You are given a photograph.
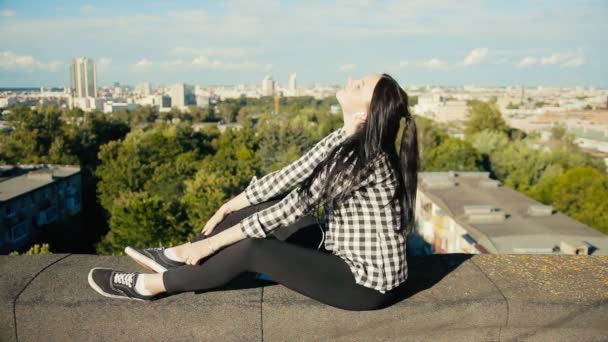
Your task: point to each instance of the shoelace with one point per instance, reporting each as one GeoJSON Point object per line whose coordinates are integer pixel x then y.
{"type": "Point", "coordinates": [124, 278]}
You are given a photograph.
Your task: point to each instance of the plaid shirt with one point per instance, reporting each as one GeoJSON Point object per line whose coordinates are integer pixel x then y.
{"type": "Point", "coordinates": [361, 229]}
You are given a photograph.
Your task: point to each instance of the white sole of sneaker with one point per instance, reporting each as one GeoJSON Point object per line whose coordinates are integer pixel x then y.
{"type": "Point", "coordinates": [102, 292]}
{"type": "Point", "coordinates": [144, 260]}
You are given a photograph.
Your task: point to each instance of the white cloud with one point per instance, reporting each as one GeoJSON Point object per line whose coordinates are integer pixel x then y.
{"type": "Point", "coordinates": [14, 62]}
{"type": "Point", "coordinates": [528, 61]}
{"type": "Point", "coordinates": [142, 64]}
{"type": "Point", "coordinates": [403, 64]}
{"type": "Point", "coordinates": [202, 62]}
{"type": "Point", "coordinates": [214, 51]}
{"type": "Point", "coordinates": [8, 13]}
{"type": "Point", "coordinates": [473, 57]}
{"type": "Point", "coordinates": [564, 60]}
{"type": "Point", "coordinates": [88, 8]}
{"type": "Point", "coordinates": [103, 63]}
{"type": "Point", "coordinates": [476, 56]}
{"type": "Point", "coordinates": [434, 63]}
{"type": "Point", "coordinates": [206, 63]}
{"type": "Point", "coordinates": [574, 62]}
{"type": "Point", "coordinates": [346, 67]}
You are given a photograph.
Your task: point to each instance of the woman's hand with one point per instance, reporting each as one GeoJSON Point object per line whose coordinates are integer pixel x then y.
{"type": "Point", "coordinates": [198, 251]}
{"type": "Point", "coordinates": [219, 215]}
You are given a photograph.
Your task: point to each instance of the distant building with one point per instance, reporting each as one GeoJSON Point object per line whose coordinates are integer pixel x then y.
{"type": "Point", "coordinates": [7, 101]}
{"type": "Point", "coordinates": [32, 196]}
{"type": "Point", "coordinates": [268, 86]}
{"type": "Point", "coordinates": [145, 89]}
{"type": "Point", "coordinates": [177, 93]}
{"type": "Point", "coordinates": [182, 95]}
{"type": "Point", "coordinates": [467, 212]}
{"type": "Point", "coordinates": [87, 104]}
{"type": "Point", "coordinates": [293, 90]}
{"type": "Point", "coordinates": [84, 77]}
{"type": "Point", "coordinates": [110, 106]}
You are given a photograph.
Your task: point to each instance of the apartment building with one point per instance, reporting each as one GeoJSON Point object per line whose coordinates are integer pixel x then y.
{"type": "Point", "coordinates": [34, 196]}
{"type": "Point", "coordinates": [468, 212]}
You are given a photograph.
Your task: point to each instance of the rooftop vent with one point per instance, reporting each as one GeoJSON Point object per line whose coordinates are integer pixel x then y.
{"type": "Point", "coordinates": [489, 183]}
{"type": "Point", "coordinates": [41, 175]}
{"type": "Point", "coordinates": [574, 249]}
{"type": "Point", "coordinates": [484, 214]}
{"type": "Point", "coordinates": [473, 174]}
{"type": "Point", "coordinates": [439, 182]}
{"type": "Point", "coordinates": [540, 210]}
{"type": "Point", "coordinates": [478, 209]}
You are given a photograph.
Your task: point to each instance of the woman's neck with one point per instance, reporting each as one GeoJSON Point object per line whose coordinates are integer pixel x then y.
{"type": "Point", "coordinates": [350, 127]}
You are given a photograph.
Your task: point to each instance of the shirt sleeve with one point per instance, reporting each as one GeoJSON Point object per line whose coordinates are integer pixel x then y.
{"type": "Point", "coordinates": [287, 211]}
{"type": "Point", "coordinates": [285, 179]}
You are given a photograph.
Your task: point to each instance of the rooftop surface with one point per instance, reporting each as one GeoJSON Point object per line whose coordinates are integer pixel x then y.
{"type": "Point", "coordinates": [11, 187]}
{"type": "Point", "coordinates": [519, 228]}
{"type": "Point", "coordinates": [447, 297]}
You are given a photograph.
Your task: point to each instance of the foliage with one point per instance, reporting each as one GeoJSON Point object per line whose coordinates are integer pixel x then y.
{"type": "Point", "coordinates": [483, 116]}
{"type": "Point", "coordinates": [581, 193]}
{"type": "Point", "coordinates": [453, 154]}
{"type": "Point", "coordinates": [558, 131]}
{"type": "Point", "coordinates": [35, 249]}
{"type": "Point", "coordinates": [140, 219]}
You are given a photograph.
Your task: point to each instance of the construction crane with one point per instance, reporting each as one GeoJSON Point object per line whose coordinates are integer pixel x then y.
{"type": "Point", "coordinates": [276, 101]}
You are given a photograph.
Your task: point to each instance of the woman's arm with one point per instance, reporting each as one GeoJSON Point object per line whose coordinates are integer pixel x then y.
{"type": "Point", "coordinates": [285, 179]}
{"type": "Point", "coordinates": [205, 247]}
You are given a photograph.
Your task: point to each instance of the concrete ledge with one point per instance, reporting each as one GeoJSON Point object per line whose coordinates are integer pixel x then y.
{"type": "Point", "coordinates": [455, 297]}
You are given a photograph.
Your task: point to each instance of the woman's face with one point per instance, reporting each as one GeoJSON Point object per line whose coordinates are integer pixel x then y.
{"type": "Point", "coordinates": [356, 95]}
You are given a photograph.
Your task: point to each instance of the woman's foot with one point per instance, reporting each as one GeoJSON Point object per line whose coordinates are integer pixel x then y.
{"type": "Point", "coordinates": [158, 259]}
{"type": "Point", "coordinates": [119, 284]}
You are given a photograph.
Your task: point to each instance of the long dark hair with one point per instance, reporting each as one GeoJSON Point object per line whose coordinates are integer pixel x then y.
{"type": "Point", "coordinates": [351, 159]}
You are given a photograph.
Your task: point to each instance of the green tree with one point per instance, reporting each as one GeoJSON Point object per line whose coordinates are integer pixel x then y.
{"type": "Point", "coordinates": [221, 176]}
{"type": "Point", "coordinates": [429, 137]}
{"type": "Point", "coordinates": [542, 191]}
{"type": "Point", "coordinates": [35, 249]}
{"type": "Point", "coordinates": [558, 131]}
{"type": "Point", "coordinates": [580, 193]}
{"type": "Point", "coordinates": [228, 111]}
{"type": "Point", "coordinates": [139, 219]}
{"type": "Point", "coordinates": [453, 154]}
{"type": "Point", "coordinates": [483, 115]}
{"type": "Point", "coordinates": [518, 165]}
{"type": "Point", "coordinates": [156, 160]}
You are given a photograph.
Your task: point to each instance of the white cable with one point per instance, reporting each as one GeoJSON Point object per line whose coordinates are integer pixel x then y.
{"type": "Point", "coordinates": [322, 233]}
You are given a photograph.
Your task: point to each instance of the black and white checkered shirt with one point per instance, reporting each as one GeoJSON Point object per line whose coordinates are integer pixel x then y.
{"type": "Point", "coordinates": [362, 229]}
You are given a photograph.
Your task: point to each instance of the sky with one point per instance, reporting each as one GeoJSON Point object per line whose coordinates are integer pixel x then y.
{"type": "Point", "coordinates": [418, 42]}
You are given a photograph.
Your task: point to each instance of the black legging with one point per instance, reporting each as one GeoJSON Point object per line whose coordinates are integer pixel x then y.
{"type": "Point", "coordinates": [318, 274]}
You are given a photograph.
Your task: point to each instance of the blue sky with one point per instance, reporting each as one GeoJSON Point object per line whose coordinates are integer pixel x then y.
{"type": "Point", "coordinates": [437, 42]}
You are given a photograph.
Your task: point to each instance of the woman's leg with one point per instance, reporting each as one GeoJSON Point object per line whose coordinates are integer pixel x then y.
{"type": "Point", "coordinates": [227, 222]}
{"type": "Point", "coordinates": [302, 232]}
{"type": "Point", "coordinates": [322, 276]}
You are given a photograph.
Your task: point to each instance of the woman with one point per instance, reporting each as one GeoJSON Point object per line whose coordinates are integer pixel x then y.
{"type": "Point", "coordinates": [368, 192]}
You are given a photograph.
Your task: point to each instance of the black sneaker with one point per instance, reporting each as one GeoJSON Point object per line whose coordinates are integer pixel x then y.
{"type": "Point", "coordinates": [152, 258]}
{"type": "Point", "coordinates": [116, 284]}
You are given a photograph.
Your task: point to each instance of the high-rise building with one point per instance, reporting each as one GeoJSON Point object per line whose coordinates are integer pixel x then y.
{"type": "Point", "coordinates": [177, 94]}
{"type": "Point", "coordinates": [145, 89]}
{"type": "Point", "coordinates": [292, 84]}
{"type": "Point", "coordinates": [84, 77]}
{"type": "Point", "coordinates": [182, 95]}
{"type": "Point", "coordinates": [268, 86]}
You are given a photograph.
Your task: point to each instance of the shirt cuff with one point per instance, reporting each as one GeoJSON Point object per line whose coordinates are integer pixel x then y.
{"type": "Point", "coordinates": [252, 227]}
{"type": "Point", "coordinates": [251, 193]}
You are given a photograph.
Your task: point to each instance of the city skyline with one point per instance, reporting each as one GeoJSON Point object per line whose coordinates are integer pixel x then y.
{"type": "Point", "coordinates": [240, 42]}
